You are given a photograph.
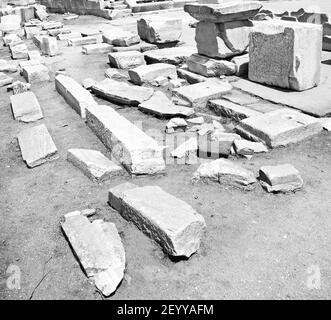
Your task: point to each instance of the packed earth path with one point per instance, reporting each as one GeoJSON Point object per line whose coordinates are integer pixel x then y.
{"type": "Point", "coordinates": [257, 245]}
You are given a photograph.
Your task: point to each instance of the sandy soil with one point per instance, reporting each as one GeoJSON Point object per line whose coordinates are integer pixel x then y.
{"type": "Point", "coordinates": [257, 245]}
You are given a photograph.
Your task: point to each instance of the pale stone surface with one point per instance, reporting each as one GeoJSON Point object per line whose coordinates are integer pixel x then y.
{"type": "Point", "coordinates": [209, 67]}
{"type": "Point", "coordinates": [31, 31]}
{"type": "Point", "coordinates": [160, 106]}
{"type": "Point", "coordinates": [11, 38]}
{"type": "Point", "coordinates": [245, 147]}
{"type": "Point", "coordinates": [113, 73]}
{"type": "Point", "coordinates": [34, 55]}
{"type": "Point", "coordinates": [176, 56]}
{"type": "Point", "coordinates": [26, 107]}
{"type": "Point", "coordinates": [176, 122]}
{"type": "Point", "coordinates": [10, 22]}
{"type": "Point", "coordinates": [231, 110]}
{"type": "Point", "coordinates": [154, 29]}
{"type": "Point", "coordinates": [176, 83]}
{"type": "Point", "coordinates": [286, 54]}
{"type": "Point", "coordinates": [148, 73]}
{"type": "Point", "coordinates": [190, 77]}
{"type": "Point", "coordinates": [135, 150]}
{"type": "Point", "coordinates": [6, 66]}
{"type": "Point", "coordinates": [81, 41]}
{"type": "Point", "coordinates": [198, 94]}
{"type": "Point", "coordinates": [94, 164]}
{"type": "Point", "coordinates": [19, 87]}
{"type": "Point", "coordinates": [35, 73]}
{"type": "Point", "coordinates": [48, 25]}
{"type": "Point", "coordinates": [326, 123]}
{"type": "Point", "coordinates": [126, 59]}
{"type": "Point", "coordinates": [88, 83]}
{"type": "Point", "coordinates": [120, 38]}
{"type": "Point", "coordinates": [18, 50]}
{"type": "Point", "coordinates": [223, 40]}
{"type": "Point", "coordinates": [74, 94]}
{"type": "Point", "coordinates": [97, 48]}
{"type": "Point", "coordinates": [281, 178]}
{"type": "Point", "coordinates": [5, 80]}
{"type": "Point", "coordinates": [224, 12]}
{"type": "Point", "coordinates": [241, 63]}
{"type": "Point", "coordinates": [169, 221]}
{"type": "Point", "coordinates": [121, 92]}
{"type": "Point", "coordinates": [280, 127]}
{"type": "Point", "coordinates": [37, 146]}
{"type": "Point", "coordinates": [197, 120]}
{"type": "Point", "coordinates": [49, 46]}
{"type": "Point", "coordinates": [99, 249]}
{"type": "Point", "coordinates": [67, 36]}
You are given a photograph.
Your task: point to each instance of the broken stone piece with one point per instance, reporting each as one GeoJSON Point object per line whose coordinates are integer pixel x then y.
{"type": "Point", "coordinates": [49, 46]}
{"type": "Point", "coordinates": [113, 73]}
{"type": "Point", "coordinates": [188, 149]}
{"type": "Point", "coordinates": [97, 48]}
{"type": "Point", "coordinates": [93, 164]}
{"type": "Point", "coordinates": [169, 221]}
{"type": "Point", "coordinates": [120, 38]}
{"type": "Point", "coordinates": [18, 50]}
{"type": "Point", "coordinates": [282, 178]}
{"type": "Point", "coordinates": [245, 147]}
{"type": "Point", "coordinates": [19, 87]}
{"type": "Point", "coordinates": [126, 59]}
{"type": "Point", "coordinates": [37, 146]}
{"type": "Point", "coordinates": [99, 249]}
{"type": "Point", "coordinates": [5, 80]}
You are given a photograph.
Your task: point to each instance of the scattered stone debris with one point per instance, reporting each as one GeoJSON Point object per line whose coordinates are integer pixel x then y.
{"type": "Point", "coordinates": [99, 249]}
{"type": "Point", "coordinates": [120, 38]}
{"type": "Point", "coordinates": [187, 150]}
{"type": "Point", "coordinates": [113, 73]}
{"type": "Point", "coordinates": [94, 164]}
{"type": "Point", "coordinates": [282, 178]}
{"type": "Point", "coordinates": [49, 46]}
{"type": "Point", "coordinates": [169, 221]}
{"type": "Point", "coordinates": [37, 146]}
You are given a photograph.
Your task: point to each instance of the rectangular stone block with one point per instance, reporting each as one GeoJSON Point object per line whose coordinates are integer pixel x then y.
{"type": "Point", "coordinates": [81, 41]}
{"type": "Point", "coordinates": [280, 127]}
{"type": "Point", "coordinates": [286, 54]}
{"type": "Point", "coordinates": [120, 38]}
{"type": "Point", "coordinates": [94, 164]}
{"type": "Point", "coordinates": [35, 73]}
{"type": "Point", "coordinates": [49, 46]}
{"type": "Point", "coordinates": [126, 60]}
{"type": "Point", "coordinates": [148, 73]}
{"type": "Point", "coordinates": [176, 56]}
{"type": "Point", "coordinates": [190, 77]}
{"type": "Point", "coordinates": [31, 31]}
{"type": "Point", "coordinates": [25, 107]}
{"type": "Point", "coordinates": [169, 221]}
{"type": "Point", "coordinates": [4, 79]}
{"type": "Point", "coordinates": [198, 94]}
{"type": "Point", "coordinates": [97, 48]}
{"type": "Point", "coordinates": [37, 146]}
{"type": "Point", "coordinates": [74, 94]}
{"type": "Point", "coordinates": [18, 50]}
{"type": "Point", "coordinates": [135, 150]}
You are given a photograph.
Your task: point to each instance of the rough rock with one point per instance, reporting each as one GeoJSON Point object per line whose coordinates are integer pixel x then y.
{"type": "Point", "coordinates": [113, 73]}
{"type": "Point", "coordinates": [34, 55]}
{"type": "Point", "coordinates": [282, 178]}
{"type": "Point", "coordinates": [169, 221]}
{"type": "Point", "coordinates": [188, 149]}
{"type": "Point", "coordinates": [94, 164]}
{"type": "Point", "coordinates": [245, 147]}
{"type": "Point", "coordinates": [37, 146]}
{"type": "Point", "coordinates": [135, 150]}
{"type": "Point", "coordinates": [120, 38]}
{"type": "Point", "coordinates": [97, 48]}
{"type": "Point", "coordinates": [18, 50]}
{"type": "Point", "coordinates": [81, 41]}
{"type": "Point", "coordinates": [35, 73]}
{"type": "Point", "coordinates": [126, 59]}
{"type": "Point", "coordinates": [190, 77]}
{"type": "Point", "coordinates": [19, 87]}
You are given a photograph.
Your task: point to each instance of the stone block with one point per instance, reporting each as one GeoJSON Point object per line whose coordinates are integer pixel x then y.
{"type": "Point", "coordinates": [126, 60]}
{"type": "Point", "coordinates": [18, 50]}
{"type": "Point", "coordinates": [49, 46]}
{"type": "Point", "coordinates": [244, 147]}
{"type": "Point", "coordinates": [190, 77]}
{"type": "Point", "coordinates": [241, 63]}
{"type": "Point", "coordinates": [169, 221]}
{"type": "Point", "coordinates": [5, 80]}
{"type": "Point", "coordinates": [97, 48]}
{"type": "Point", "coordinates": [35, 73]}
{"type": "Point", "coordinates": [120, 38]}
{"type": "Point", "coordinates": [81, 41]}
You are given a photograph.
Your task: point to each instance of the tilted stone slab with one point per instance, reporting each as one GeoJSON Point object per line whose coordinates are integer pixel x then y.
{"type": "Point", "coordinates": [74, 94]}
{"type": "Point", "coordinates": [126, 59]}
{"type": "Point", "coordinates": [121, 92]}
{"type": "Point", "coordinates": [26, 107]}
{"type": "Point", "coordinates": [37, 146]}
{"type": "Point", "coordinates": [198, 94]}
{"type": "Point", "coordinates": [94, 164]}
{"type": "Point", "coordinates": [148, 73]}
{"type": "Point", "coordinates": [135, 150]}
{"type": "Point", "coordinates": [280, 127]}
{"type": "Point", "coordinates": [99, 249]}
{"type": "Point", "coordinates": [154, 29]}
{"type": "Point", "coordinates": [286, 54]}
{"type": "Point", "coordinates": [120, 38]}
{"type": "Point", "coordinates": [169, 221]}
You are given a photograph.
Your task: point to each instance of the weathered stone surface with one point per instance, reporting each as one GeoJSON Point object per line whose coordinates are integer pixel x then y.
{"type": "Point", "coordinates": [136, 151]}
{"type": "Point", "coordinates": [326, 123]}
{"type": "Point", "coordinates": [34, 55]}
{"type": "Point", "coordinates": [154, 29]}
{"type": "Point", "coordinates": [5, 80]}
{"type": "Point", "coordinates": [126, 59]}
{"type": "Point", "coordinates": [19, 87]}
{"type": "Point", "coordinates": [74, 94]}
{"type": "Point", "coordinates": [231, 11]}
{"type": "Point", "coordinates": [225, 172]}
{"type": "Point", "coordinates": [281, 178]}
{"type": "Point", "coordinates": [99, 249]}
{"type": "Point", "coordinates": [35, 73]}
{"type": "Point", "coordinates": [6, 66]}
{"type": "Point", "coordinates": [10, 22]}
{"type": "Point", "coordinates": [280, 127]}
{"type": "Point", "coordinates": [169, 221]}
{"type": "Point", "coordinates": [81, 41]}
{"type": "Point", "coordinates": [245, 147]}
{"type": "Point", "coordinates": [209, 67]}
{"type": "Point", "coordinates": [188, 149]}
{"type": "Point", "coordinates": [176, 83]}
{"type": "Point", "coordinates": [49, 46]}
{"type": "Point", "coordinates": [120, 38]}
{"type": "Point", "coordinates": [121, 93]}
{"type": "Point", "coordinates": [25, 107]}
{"type": "Point", "coordinates": [67, 36]}
{"type": "Point", "coordinates": [37, 146]}
{"type": "Point", "coordinates": [28, 63]}
{"type": "Point", "coordinates": [113, 73]}
{"type": "Point", "coordinates": [31, 31]}
{"type": "Point", "coordinates": [286, 54]}
{"type": "Point", "coordinates": [223, 40]}
{"type": "Point", "coordinates": [148, 73]}
{"type": "Point", "coordinates": [11, 38]}
{"type": "Point", "coordinates": [190, 77]}
{"type": "Point", "coordinates": [97, 48]}
{"type": "Point", "coordinates": [18, 50]}
{"type": "Point", "coordinates": [48, 25]}
{"type": "Point", "coordinates": [231, 110]}
{"type": "Point", "coordinates": [94, 164]}
{"type": "Point", "coordinates": [176, 56]}
{"type": "Point", "coordinates": [241, 63]}
{"type": "Point", "coordinates": [198, 94]}
{"type": "Point", "coordinates": [88, 83]}
{"type": "Point", "coordinates": [160, 106]}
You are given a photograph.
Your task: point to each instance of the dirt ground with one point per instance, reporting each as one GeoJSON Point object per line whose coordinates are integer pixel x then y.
{"type": "Point", "coordinates": [257, 245]}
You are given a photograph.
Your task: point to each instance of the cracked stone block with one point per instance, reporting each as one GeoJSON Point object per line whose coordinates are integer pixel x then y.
{"type": "Point", "coordinates": [37, 146]}
{"type": "Point", "coordinates": [169, 221]}
{"type": "Point", "coordinates": [94, 164]}
{"type": "Point", "coordinates": [35, 73]}
{"type": "Point", "coordinates": [281, 178]}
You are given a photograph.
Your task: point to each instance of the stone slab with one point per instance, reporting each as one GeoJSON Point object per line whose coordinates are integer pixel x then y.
{"type": "Point", "coordinates": [190, 77]}
{"type": "Point", "coordinates": [37, 146]}
{"type": "Point", "coordinates": [35, 73]}
{"type": "Point", "coordinates": [5, 80]}
{"type": "Point", "coordinates": [81, 41]}
{"type": "Point", "coordinates": [245, 147]}
{"type": "Point", "coordinates": [120, 38]}
{"type": "Point", "coordinates": [97, 48]}
{"type": "Point", "coordinates": [169, 221]}
{"type": "Point", "coordinates": [126, 59]}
